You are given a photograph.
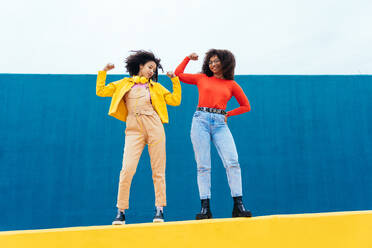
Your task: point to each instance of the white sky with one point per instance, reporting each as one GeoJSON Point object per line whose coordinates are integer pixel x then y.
{"type": "Point", "coordinates": [266, 36]}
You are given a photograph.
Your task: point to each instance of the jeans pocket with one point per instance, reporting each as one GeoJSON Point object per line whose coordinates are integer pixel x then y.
{"type": "Point", "coordinates": [220, 119]}
{"type": "Point", "coordinates": [197, 114]}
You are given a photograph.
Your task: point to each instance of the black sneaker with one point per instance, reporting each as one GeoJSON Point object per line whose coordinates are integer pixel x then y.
{"type": "Point", "coordinates": [120, 218]}
{"type": "Point", "coordinates": [159, 216]}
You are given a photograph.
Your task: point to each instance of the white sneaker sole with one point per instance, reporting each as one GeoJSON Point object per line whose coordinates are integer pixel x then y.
{"type": "Point", "coordinates": [158, 221]}
{"type": "Point", "coordinates": [117, 222]}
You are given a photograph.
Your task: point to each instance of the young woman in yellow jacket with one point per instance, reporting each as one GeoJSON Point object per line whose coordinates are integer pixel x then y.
{"type": "Point", "coordinates": [141, 102]}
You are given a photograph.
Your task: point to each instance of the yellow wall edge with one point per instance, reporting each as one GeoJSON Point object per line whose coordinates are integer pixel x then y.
{"type": "Point", "coordinates": [339, 229]}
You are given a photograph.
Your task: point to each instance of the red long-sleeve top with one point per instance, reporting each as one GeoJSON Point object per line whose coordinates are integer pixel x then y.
{"type": "Point", "coordinates": [214, 92]}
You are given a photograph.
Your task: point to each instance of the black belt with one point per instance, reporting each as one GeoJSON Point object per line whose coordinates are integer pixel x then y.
{"type": "Point", "coordinates": [212, 110]}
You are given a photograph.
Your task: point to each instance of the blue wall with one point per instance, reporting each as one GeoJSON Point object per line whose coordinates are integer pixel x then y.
{"type": "Point", "coordinates": [306, 146]}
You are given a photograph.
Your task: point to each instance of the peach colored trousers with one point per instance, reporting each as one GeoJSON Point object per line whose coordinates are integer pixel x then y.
{"type": "Point", "coordinates": [143, 127]}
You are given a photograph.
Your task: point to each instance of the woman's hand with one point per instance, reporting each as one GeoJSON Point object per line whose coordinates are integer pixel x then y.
{"type": "Point", "coordinates": [108, 67]}
{"type": "Point", "coordinates": [171, 74]}
{"type": "Point", "coordinates": [193, 56]}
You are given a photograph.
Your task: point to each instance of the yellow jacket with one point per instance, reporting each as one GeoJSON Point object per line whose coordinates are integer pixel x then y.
{"type": "Point", "coordinates": [160, 96]}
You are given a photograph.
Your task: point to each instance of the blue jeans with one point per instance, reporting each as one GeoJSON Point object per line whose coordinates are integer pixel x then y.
{"type": "Point", "coordinates": [206, 127]}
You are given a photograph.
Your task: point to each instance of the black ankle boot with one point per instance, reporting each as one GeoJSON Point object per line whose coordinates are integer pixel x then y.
{"type": "Point", "coordinates": [239, 210]}
{"type": "Point", "coordinates": [205, 211]}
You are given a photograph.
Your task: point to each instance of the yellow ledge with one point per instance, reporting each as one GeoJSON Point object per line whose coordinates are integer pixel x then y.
{"type": "Point", "coordinates": [331, 230]}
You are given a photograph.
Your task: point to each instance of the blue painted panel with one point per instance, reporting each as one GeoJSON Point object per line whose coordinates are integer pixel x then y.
{"type": "Point", "coordinates": [306, 146]}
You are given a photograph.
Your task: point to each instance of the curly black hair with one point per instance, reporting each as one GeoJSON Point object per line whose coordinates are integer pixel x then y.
{"type": "Point", "coordinates": [141, 57]}
{"type": "Point", "coordinates": [227, 62]}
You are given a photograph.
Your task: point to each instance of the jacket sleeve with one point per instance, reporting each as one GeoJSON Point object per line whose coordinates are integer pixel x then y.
{"type": "Point", "coordinates": [101, 88]}
{"type": "Point", "coordinates": [173, 99]}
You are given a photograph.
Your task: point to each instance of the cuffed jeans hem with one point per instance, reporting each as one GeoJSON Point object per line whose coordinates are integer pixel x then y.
{"type": "Point", "coordinates": [236, 195]}
{"type": "Point", "coordinates": [205, 197]}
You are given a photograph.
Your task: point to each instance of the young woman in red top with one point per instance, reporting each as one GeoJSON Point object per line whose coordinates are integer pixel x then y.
{"type": "Point", "coordinates": [216, 86]}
